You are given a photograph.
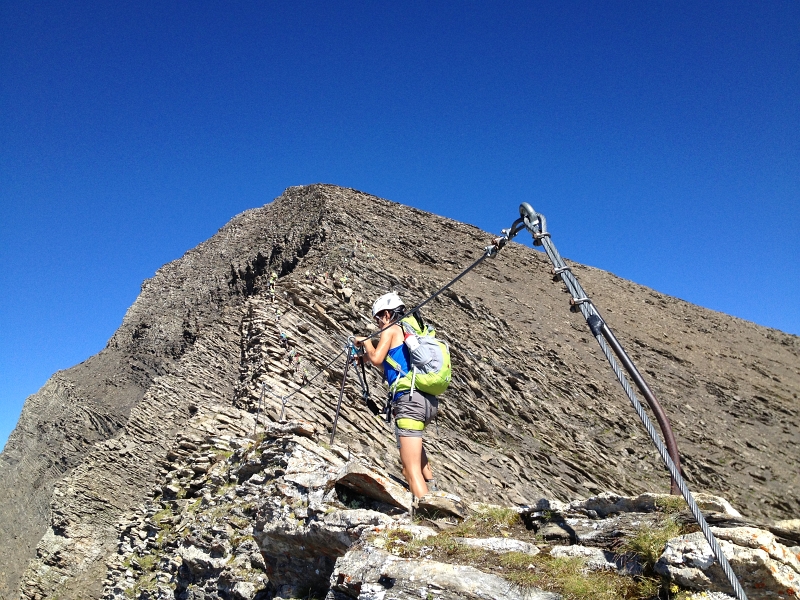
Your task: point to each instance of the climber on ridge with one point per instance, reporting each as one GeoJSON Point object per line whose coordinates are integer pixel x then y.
{"type": "Point", "coordinates": [412, 411]}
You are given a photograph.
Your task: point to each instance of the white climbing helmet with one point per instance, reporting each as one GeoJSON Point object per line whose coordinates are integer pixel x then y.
{"type": "Point", "coordinates": [388, 301]}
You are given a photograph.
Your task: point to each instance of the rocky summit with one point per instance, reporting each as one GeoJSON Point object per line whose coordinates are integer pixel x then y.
{"type": "Point", "coordinates": [158, 468]}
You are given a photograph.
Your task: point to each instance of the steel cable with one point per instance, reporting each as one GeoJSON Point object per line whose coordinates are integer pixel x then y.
{"type": "Point", "coordinates": [676, 476]}
{"type": "Point", "coordinates": [488, 251]}
{"type": "Point", "coordinates": [487, 254]}
{"type": "Point", "coordinates": [537, 225]}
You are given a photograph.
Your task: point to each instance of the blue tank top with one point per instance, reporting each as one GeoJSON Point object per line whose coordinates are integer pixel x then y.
{"type": "Point", "coordinates": [401, 356]}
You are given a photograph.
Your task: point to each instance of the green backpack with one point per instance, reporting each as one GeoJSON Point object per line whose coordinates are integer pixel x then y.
{"type": "Point", "coordinates": [430, 360]}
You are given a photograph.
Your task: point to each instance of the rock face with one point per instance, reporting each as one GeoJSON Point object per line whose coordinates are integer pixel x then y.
{"type": "Point", "coordinates": [533, 410]}
{"type": "Point", "coordinates": [765, 567]}
{"type": "Point", "coordinates": [283, 517]}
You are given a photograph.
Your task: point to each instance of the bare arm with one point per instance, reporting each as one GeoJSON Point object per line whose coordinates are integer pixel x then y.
{"type": "Point", "coordinates": [376, 353]}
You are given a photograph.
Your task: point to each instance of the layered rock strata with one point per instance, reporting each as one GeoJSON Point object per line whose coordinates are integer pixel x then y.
{"type": "Point", "coordinates": [283, 517]}
{"type": "Point", "coordinates": [533, 410]}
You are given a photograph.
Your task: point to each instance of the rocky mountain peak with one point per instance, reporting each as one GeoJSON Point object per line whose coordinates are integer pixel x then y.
{"type": "Point", "coordinates": [533, 411]}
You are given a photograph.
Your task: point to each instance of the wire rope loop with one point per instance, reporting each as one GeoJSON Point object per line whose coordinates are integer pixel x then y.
{"type": "Point", "coordinates": [536, 224]}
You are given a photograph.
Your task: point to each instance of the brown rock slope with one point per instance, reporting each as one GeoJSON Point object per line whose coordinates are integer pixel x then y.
{"type": "Point", "coordinates": [533, 410]}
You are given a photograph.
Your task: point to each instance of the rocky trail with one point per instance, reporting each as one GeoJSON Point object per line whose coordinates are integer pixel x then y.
{"type": "Point", "coordinates": [533, 411]}
{"type": "Point", "coordinates": [282, 516]}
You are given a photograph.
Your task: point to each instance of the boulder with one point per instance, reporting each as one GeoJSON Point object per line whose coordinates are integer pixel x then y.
{"type": "Point", "coordinates": [765, 568]}
{"type": "Point", "coordinates": [500, 545]}
{"type": "Point", "coordinates": [367, 482]}
{"type": "Point", "coordinates": [292, 427]}
{"type": "Point", "coordinates": [373, 573]}
{"type": "Point", "coordinates": [441, 503]}
{"type": "Point", "coordinates": [598, 559]}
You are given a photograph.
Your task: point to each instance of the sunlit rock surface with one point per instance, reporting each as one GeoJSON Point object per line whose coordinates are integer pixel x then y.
{"type": "Point", "coordinates": [533, 412]}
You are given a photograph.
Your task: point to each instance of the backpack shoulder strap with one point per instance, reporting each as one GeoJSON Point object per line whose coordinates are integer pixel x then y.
{"type": "Point", "coordinates": [410, 325]}
{"type": "Point", "coordinates": [394, 364]}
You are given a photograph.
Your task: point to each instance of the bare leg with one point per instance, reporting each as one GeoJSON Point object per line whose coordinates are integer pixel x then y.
{"type": "Point", "coordinates": [411, 454]}
{"type": "Point", "coordinates": [427, 473]}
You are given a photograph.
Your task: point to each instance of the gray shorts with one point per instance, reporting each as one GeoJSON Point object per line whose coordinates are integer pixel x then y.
{"type": "Point", "coordinates": [412, 413]}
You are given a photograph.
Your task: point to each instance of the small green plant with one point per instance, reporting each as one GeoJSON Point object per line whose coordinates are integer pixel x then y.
{"type": "Point", "coordinates": [350, 500]}
{"type": "Point", "coordinates": [146, 563]}
{"type": "Point", "coordinates": [569, 577]}
{"type": "Point", "coordinates": [238, 539]}
{"type": "Point", "coordinates": [487, 521]}
{"type": "Point", "coordinates": [670, 504]}
{"type": "Point", "coordinates": [249, 508]}
{"type": "Point", "coordinates": [222, 455]}
{"type": "Point", "coordinates": [397, 540]}
{"type": "Point", "coordinates": [498, 516]}
{"type": "Point", "coordinates": [161, 515]}
{"type": "Point", "coordinates": [648, 542]}
{"type": "Point", "coordinates": [238, 522]}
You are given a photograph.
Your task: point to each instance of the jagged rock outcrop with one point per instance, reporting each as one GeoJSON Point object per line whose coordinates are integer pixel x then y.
{"type": "Point", "coordinates": [533, 410]}
{"type": "Point", "coordinates": [282, 517]}
{"type": "Point", "coordinates": [765, 567]}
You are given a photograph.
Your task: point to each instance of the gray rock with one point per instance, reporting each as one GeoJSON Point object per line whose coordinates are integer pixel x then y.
{"type": "Point", "coordinates": [500, 545]}
{"type": "Point", "coordinates": [367, 482]}
{"type": "Point", "coordinates": [441, 504]}
{"type": "Point", "coordinates": [765, 568]}
{"type": "Point", "coordinates": [382, 575]}
{"type": "Point", "coordinates": [292, 427]}
{"type": "Point", "coordinates": [789, 524]}
{"type": "Point", "coordinates": [200, 563]}
{"type": "Point", "coordinates": [243, 590]}
{"type": "Point", "coordinates": [598, 559]}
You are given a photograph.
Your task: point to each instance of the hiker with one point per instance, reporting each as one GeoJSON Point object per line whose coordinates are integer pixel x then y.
{"type": "Point", "coordinates": [412, 411]}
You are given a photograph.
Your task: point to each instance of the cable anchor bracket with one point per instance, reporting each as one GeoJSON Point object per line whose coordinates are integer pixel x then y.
{"type": "Point", "coordinates": [534, 222]}
{"type": "Point", "coordinates": [499, 242]}
{"type": "Point", "coordinates": [557, 272]}
{"type": "Point", "coordinates": [575, 303]}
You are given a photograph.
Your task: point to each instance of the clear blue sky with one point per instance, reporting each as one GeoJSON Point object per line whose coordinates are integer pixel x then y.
{"type": "Point", "coordinates": [660, 139]}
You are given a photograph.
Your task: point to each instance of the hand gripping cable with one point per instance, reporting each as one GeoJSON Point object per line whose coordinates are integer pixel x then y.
{"type": "Point", "coordinates": [613, 350]}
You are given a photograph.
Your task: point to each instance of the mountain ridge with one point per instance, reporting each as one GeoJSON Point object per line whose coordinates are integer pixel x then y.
{"type": "Point", "coordinates": [186, 343]}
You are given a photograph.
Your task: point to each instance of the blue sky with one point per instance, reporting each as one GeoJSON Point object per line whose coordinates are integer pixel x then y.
{"type": "Point", "coordinates": [660, 139]}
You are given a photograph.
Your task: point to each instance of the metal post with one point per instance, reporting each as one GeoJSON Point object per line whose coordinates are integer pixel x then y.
{"type": "Point", "coordinates": [536, 224]}
{"type": "Point", "coordinates": [283, 408]}
{"type": "Point", "coordinates": [341, 394]}
{"type": "Point", "coordinates": [652, 402]}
